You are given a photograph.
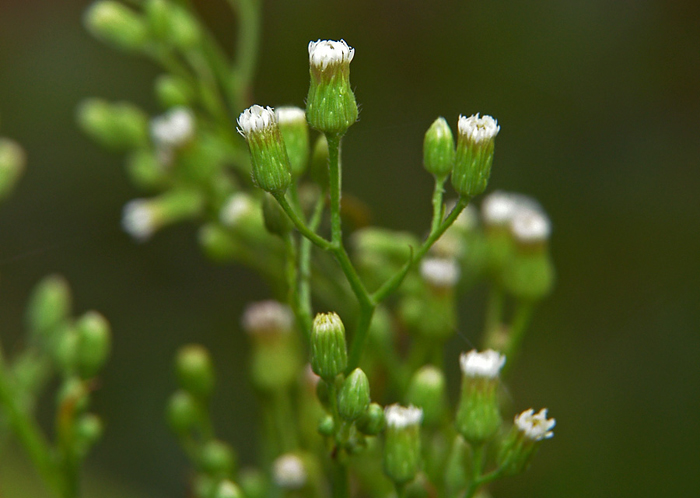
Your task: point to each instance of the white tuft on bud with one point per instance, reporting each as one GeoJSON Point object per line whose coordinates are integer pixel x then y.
{"type": "Point", "coordinates": [256, 119]}
{"type": "Point", "coordinates": [288, 472]}
{"type": "Point", "coordinates": [535, 426]}
{"type": "Point", "coordinates": [323, 53]}
{"type": "Point", "coordinates": [173, 129]}
{"type": "Point", "coordinates": [530, 225]}
{"type": "Point", "coordinates": [486, 364]}
{"type": "Point", "coordinates": [499, 207]}
{"type": "Point", "coordinates": [138, 219]}
{"type": "Point", "coordinates": [267, 316]}
{"type": "Point", "coordinates": [398, 416]}
{"type": "Point", "coordinates": [290, 114]}
{"type": "Point", "coordinates": [237, 207]}
{"type": "Point", "coordinates": [478, 129]}
{"type": "Point", "coordinates": [440, 272]}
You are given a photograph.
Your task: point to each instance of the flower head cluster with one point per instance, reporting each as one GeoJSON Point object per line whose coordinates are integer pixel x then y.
{"type": "Point", "coordinates": [535, 426]}
{"type": "Point", "coordinates": [486, 364]}
{"type": "Point", "coordinates": [323, 53]}
{"type": "Point", "coordinates": [478, 129]}
{"type": "Point", "coordinates": [398, 416]}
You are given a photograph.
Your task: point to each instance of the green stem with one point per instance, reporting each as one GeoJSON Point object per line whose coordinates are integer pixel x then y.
{"type": "Point", "coordinates": [247, 46]}
{"type": "Point", "coordinates": [284, 420]}
{"type": "Point", "coordinates": [494, 316]}
{"type": "Point", "coordinates": [477, 466]}
{"type": "Point", "coordinates": [29, 434]}
{"type": "Point", "coordinates": [304, 294]}
{"type": "Point", "coordinates": [438, 211]}
{"type": "Point", "coordinates": [446, 223]}
{"type": "Point", "coordinates": [516, 332]}
{"type": "Point", "coordinates": [300, 225]}
{"type": "Point", "coordinates": [336, 180]}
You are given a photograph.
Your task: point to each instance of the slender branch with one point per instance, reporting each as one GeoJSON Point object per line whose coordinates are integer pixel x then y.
{"type": "Point", "coordinates": [336, 181]}
{"type": "Point", "coordinates": [247, 47]}
{"type": "Point", "coordinates": [304, 293]}
{"type": "Point", "coordinates": [438, 209]}
{"type": "Point", "coordinates": [300, 225]}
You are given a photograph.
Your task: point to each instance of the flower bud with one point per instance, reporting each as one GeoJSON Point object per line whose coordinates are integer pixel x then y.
{"type": "Point", "coordinates": [326, 427]}
{"type": "Point", "coordinates": [194, 369]}
{"type": "Point", "coordinates": [94, 343]}
{"type": "Point", "coordinates": [475, 144]}
{"type": "Point", "coordinates": [116, 24]}
{"type": "Point", "coordinates": [330, 105]}
{"type": "Point", "coordinates": [318, 170]}
{"type": "Point", "coordinates": [227, 489]}
{"type": "Point", "coordinates": [120, 125]}
{"type": "Point", "coordinates": [426, 390]}
{"type": "Point", "coordinates": [218, 243]}
{"type": "Point", "coordinates": [353, 398]}
{"type": "Point", "coordinates": [478, 416]}
{"type": "Point", "coordinates": [289, 472]}
{"type": "Point", "coordinates": [141, 218]}
{"type": "Point", "coordinates": [295, 134]}
{"type": "Point", "coordinates": [271, 168]}
{"type": "Point", "coordinates": [439, 149]}
{"type": "Point", "coordinates": [49, 305]}
{"type": "Point", "coordinates": [524, 438]}
{"type": "Point", "coordinates": [182, 412]}
{"type": "Point", "coordinates": [402, 448]}
{"type": "Point", "coordinates": [217, 459]}
{"type": "Point", "coordinates": [254, 483]}
{"type": "Point", "coordinates": [173, 129]}
{"type": "Point", "coordinates": [329, 355]}
{"type": "Point", "coordinates": [65, 349]}
{"type": "Point", "coordinates": [146, 171]}
{"type": "Point", "coordinates": [173, 91]}
{"type": "Point", "coordinates": [12, 162]}
{"type": "Point", "coordinates": [372, 422]}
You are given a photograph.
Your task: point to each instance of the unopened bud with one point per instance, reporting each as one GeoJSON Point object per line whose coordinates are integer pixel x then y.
{"type": "Point", "coordinates": [182, 412]}
{"type": "Point", "coordinates": [173, 91]}
{"type": "Point", "coordinates": [402, 448]}
{"type": "Point", "coordinates": [295, 133]}
{"type": "Point", "coordinates": [439, 149]}
{"type": "Point", "coordinates": [120, 125]}
{"type": "Point", "coordinates": [426, 390]}
{"type": "Point", "coordinates": [372, 422]}
{"type": "Point", "coordinates": [116, 24]}
{"type": "Point", "coordinates": [49, 305]}
{"type": "Point", "coordinates": [94, 343]}
{"type": "Point", "coordinates": [353, 398]}
{"type": "Point", "coordinates": [217, 459]}
{"type": "Point", "coordinates": [12, 162]}
{"type": "Point", "coordinates": [329, 355]}
{"type": "Point", "coordinates": [195, 372]}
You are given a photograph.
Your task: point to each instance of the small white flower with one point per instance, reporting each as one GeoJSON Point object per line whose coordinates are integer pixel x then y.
{"type": "Point", "coordinates": [323, 53]}
{"type": "Point", "coordinates": [486, 364]}
{"type": "Point", "coordinates": [267, 316]}
{"type": "Point", "coordinates": [290, 114]}
{"type": "Point", "coordinates": [535, 426]}
{"type": "Point", "coordinates": [173, 129]}
{"type": "Point", "coordinates": [256, 119]}
{"type": "Point", "coordinates": [237, 207]}
{"type": "Point", "coordinates": [440, 272]}
{"type": "Point", "coordinates": [499, 207]}
{"type": "Point", "coordinates": [478, 129]}
{"type": "Point", "coordinates": [138, 219]}
{"type": "Point", "coordinates": [398, 416]}
{"type": "Point", "coordinates": [288, 472]}
{"type": "Point", "coordinates": [530, 225]}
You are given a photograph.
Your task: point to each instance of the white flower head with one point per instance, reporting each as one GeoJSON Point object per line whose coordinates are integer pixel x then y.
{"type": "Point", "coordinates": [439, 272]}
{"type": "Point", "coordinates": [499, 207]}
{"type": "Point", "coordinates": [173, 129]}
{"type": "Point", "coordinates": [323, 53]}
{"type": "Point", "coordinates": [486, 364]}
{"type": "Point", "coordinates": [290, 114]}
{"type": "Point", "coordinates": [398, 416]}
{"type": "Point", "coordinates": [478, 129]}
{"type": "Point", "coordinates": [267, 316]}
{"type": "Point", "coordinates": [288, 472]}
{"type": "Point", "coordinates": [237, 207]}
{"type": "Point", "coordinates": [530, 225]}
{"type": "Point", "coordinates": [535, 426]}
{"type": "Point", "coordinates": [139, 220]}
{"type": "Point", "coordinates": [256, 119]}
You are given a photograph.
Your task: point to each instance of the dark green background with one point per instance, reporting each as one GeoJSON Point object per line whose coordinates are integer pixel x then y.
{"type": "Point", "coordinates": [599, 103]}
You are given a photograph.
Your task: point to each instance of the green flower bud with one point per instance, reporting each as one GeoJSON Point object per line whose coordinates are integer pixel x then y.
{"type": "Point", "coordinates": [402, 447]}
{"type": "Point", "coordinates": [217, 459]}
{"type": "Point", "coordinates": [173, 91]}
{"type": "Point", "coordinates": [49, 305]}
{"type": "Point", "coordinates": [65, 349]}
{"type": "Point", "coordinates": [330, 106]}
{"type": "Point", "coordinates": [146, 171]}
{"type": "Point", "coordinates": [326, 427]}
{"type": "Point", "coordinates": [194, 369]}
{"type": "Point", "coordinates": [329, 355]}
{"type": "Point", "coordinates": [182, 412]}
{"type": "Point", "coordinates": [119, 126]}
{"type": "Point", "coordinates": [529, 273]}
{"type": "Point", "coordinates": [318, 170]}
{"type": "Point", "coordinates": [218, 243]}
{"type": "Point", "coordinates": [353, 398]}
{"type": "Point", "coordinates": [276, 220]}
{"type": "Point", "coordinates": [478, 416]}
{"type": "Point", "coordinates": [184, 30]}
{"type": "Point", "coordinates": [271, 168]}
{"type": "Point", "coordinates": [253, 483]}
{"type": "Point", "coordinates": [372, 422]}
{"type": "Point", "coordinates": [439, 149]}
{"type": "Point", "coordinates": [295, 134]}
{"type": "Point", "coordinates": [141, 218]}
{"type": "Point", "coordinates": [88, 430]}
{"type": "Point", "coordinates": [73, 396]}
{"type": "Point", "coordinates": [227, 489]}
{"type": "Point", "coordinates": [94, 343]}
{"type": "Point", "coordinates": [475, 145]}
{"type": "Point", "coordinates": [522, 441]}
{"type": "Point", "coordinates": [426, 390]}
{"type": "Point", "coordinates": [12, 162]}
{"type": "Point", "coordinates": [117, 25]}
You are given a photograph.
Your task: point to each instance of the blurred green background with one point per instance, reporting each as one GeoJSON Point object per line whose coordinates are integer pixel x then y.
{"type": "Point", "coordinates": [599, 104]}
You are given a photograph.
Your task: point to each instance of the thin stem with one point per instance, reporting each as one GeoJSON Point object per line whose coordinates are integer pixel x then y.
{"type": "Point", "coordinates": [360, 337]}
{"type": "Point", "coordinates": [438, 211]}
{"type": "Point", "coordinates": [336, 180]}
{"type": "Point", "coordinates": [446, 223]}
{"type": "Point", "coordinates": [521, 319]}
{"type": "Point", "coordinates": [300, 225]}
{"type": "Point", "coordinates": [247, 47]}
{"type": "Point", "coordinates": [477, 466]}
{"type": "Point", "coordinates": [494, 315]}
{"type": "Point", "coordinates": [304, 293]}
